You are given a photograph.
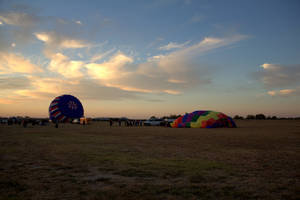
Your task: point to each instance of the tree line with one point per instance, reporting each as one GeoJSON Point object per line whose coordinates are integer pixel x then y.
{"type": "Point", "coordinates": [263, 117]}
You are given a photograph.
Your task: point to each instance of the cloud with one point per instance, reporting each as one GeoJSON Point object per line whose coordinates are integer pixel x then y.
{"type": "Point", "coordinates": [63, 65]}
{"type": "Point", "coordinates": [206, 45]}
{"type": "Point", "coordinates": [285, 92]}
{"type": "Point", "coordinates": [176, 81]}
{"type": "Point", "coordinates": [42, 88]}
{"type": "Point", "coordinates": [110, 69]}
{"type": "Point", "coordinates": [119, 76]}
{"type": "Point", "coordinates": [279, 76]}
{"type": "Point", "coordinates": [45, 88]}
{"type": "Point", "coordinates": [19, 19]}
{"type": "Point", "coordinates": [71, 43]}
{"type": "Point", "coordinates": [78, 22]}
{"type": "Point", "coordinates": [13, 83]}
{"type": "Point", "coordinates": [169, 73]}
{"type": "Point", "coordinates": [181, 60]}
{"type": "Point", "coordinates": [55, 40]}
{"type": "Point", "coordinates": [155, 42]}
{"type": "Point", "coordinates": [173, 45]}
{"type": "Point", "coordinates": [100, 56]}
{"type": "Point", "coordinates": [13, 63]}
{"type": "Point", "coordinates": [19, 24]}
{"type": "Point", "coordinates": [174, 92]}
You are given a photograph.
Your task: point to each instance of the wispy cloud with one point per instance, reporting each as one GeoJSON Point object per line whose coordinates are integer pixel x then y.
{"type": "Point", "coordinates": [173, 45]}
{"type": "Point", "coordinates": [22, 22]}
{"type": "Point", "coordinates": [285, 92]}
{"type": "Point", "coordinates": [78, 22]}
{"type": "Point", "coordinates": [45, 88]}
{"type": "Point", "coordinates": [119, 75]}
{"type": "Point", "coordinates": [279, 76]}
{"type": "Point", "coordinates": [14, 82]}
{"type": "Point", "coordinates": [19, 19]}
{"type": "Point", "coordinates": [169, 73]}
{"type": "Point", "coordinates": [276, 78]}
{"type": "Point", "coordinates": [100, 56]}
{"type": "Point", "coordinates": [14, 63]}
{"type": "Point", "coordinates": [180, 60]}
{"type": "Point", "coordinates": [63, 65]}
{"type": "Point", "coordinates": [55, 40]}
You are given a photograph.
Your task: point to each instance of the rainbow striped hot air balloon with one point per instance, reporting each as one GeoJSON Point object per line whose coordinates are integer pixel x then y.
{"type": "Point", "coordinates": [65, 107]}
{"type": "Point", "coordinates": [203, 119]}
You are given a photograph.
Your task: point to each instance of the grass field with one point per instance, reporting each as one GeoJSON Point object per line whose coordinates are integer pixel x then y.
{"type": "Point", "coordinates": [258, 160]}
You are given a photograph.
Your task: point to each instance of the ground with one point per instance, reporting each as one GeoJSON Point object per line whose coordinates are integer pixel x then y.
{"type": "Point", "coordinates": [257, 160]}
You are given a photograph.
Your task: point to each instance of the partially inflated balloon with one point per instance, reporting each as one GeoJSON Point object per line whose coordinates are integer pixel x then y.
{"type": "Point", "coordinates": [65, 107]}
{"type": "Point", "coordinates": [203, 119]}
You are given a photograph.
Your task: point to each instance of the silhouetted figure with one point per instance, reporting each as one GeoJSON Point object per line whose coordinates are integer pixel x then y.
{"type": "Point", "coordinates": [24, 123]}
{"type": "Point", "coordinates": [120, 123]}
{"type": "Point", "coordinates": [110, 123]}
{"type": "Point", "coordinates": [56, 124]}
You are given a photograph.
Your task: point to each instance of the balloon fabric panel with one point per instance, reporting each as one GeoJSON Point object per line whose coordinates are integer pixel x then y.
{"type": "Point", "coordinates": [64, 108]}
{"type": "Point", "coordinates": [204, 119]}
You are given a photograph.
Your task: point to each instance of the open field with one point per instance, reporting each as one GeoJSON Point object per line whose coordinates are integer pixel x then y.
{"type": "Point", "coordinates": [258, 160]}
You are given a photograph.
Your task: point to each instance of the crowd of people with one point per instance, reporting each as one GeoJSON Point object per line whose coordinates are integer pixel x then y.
{"type": "Point", "coordinates": [23, 121]}
{"type": "Point", "coordinates": [126, 122]}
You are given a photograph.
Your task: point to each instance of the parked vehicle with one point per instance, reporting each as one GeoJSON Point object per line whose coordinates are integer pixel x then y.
{"type": "Point", "coordinates": [76, 121]}
{"type": "Point", "coordinates": [168, 122]}
{"type": "Point", "coordinates": [154, 122]}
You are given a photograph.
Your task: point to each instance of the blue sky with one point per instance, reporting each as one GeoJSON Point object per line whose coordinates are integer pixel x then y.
{"type": "Point", "coordinates": [144, 58]}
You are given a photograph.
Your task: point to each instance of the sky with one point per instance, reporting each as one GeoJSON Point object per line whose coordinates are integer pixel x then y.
{"type": "Point", "coordinates": [141, 58]}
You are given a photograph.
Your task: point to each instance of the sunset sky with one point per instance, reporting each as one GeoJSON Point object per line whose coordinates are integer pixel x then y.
{"type": "Point", "coordinates": [139, 58]}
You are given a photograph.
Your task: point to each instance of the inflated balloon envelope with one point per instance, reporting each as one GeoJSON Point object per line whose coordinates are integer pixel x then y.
{"type": "Point", "coordinates": [64, 108]}
{"type": "Point", "coordinates": [204, 119]}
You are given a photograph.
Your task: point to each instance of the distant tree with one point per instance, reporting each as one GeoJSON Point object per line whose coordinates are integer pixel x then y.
{"type": "Point", "coordinates": [274, 117]}
{"type": "Point", "coordinates": [153, 117]}
{"type": "Point", "coordinates": [260, 116]}
{"type": "Point", "coordinates": [238, 117]}
{"type": "Point", "coordinates": [250, 117]}
{"type": "Point", "coordinates": [172, 116]}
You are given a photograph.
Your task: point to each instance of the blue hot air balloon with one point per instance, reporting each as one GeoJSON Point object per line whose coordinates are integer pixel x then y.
{"type": "Point", "coordinates": [64, 108]}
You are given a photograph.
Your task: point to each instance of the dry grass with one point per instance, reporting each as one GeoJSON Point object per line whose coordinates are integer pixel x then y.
{"type": "Point", "coordinates": [258, 160]}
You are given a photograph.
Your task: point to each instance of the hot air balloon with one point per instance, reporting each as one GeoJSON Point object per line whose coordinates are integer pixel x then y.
{"type": "Point", "coordinates": [203, 119]}
{"type": "Point", "coordinates": [64, 108]}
